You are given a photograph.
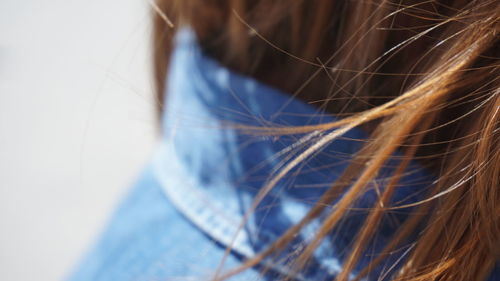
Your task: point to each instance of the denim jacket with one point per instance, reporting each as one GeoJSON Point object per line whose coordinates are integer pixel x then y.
{"type": "Point", "coordinates": [192, 198]}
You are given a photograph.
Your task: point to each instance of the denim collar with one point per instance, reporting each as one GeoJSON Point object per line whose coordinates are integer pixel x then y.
{"type": "Point", "coordinates": [212, 172]}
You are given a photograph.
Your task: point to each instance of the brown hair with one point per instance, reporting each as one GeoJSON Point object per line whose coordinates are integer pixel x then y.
{"type": "Point", "coordinates": [421, 76]}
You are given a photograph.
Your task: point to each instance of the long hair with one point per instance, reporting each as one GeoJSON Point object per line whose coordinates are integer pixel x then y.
{"type": "Point", "coordinates": [421, 76]}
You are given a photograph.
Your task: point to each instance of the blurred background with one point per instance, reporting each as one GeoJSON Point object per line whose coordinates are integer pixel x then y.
{"type": "Point", "coordinates": [76, 126]}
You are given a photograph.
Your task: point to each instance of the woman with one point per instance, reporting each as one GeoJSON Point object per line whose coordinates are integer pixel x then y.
{"type": "Point", "coordinates": [317, 140]}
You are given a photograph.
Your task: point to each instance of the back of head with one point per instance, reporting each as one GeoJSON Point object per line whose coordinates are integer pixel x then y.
{"type": "Point", "coordinates": [419, 76]}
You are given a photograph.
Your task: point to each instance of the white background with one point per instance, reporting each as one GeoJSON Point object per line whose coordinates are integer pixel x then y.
{"type": "Point", "coordinates": [76, 125]}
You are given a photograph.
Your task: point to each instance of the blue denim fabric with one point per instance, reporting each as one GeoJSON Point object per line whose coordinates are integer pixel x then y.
{"type": "Point", "coordinates": [148, 239]}
{"type": "Point", "coordinates": [191, 200]}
